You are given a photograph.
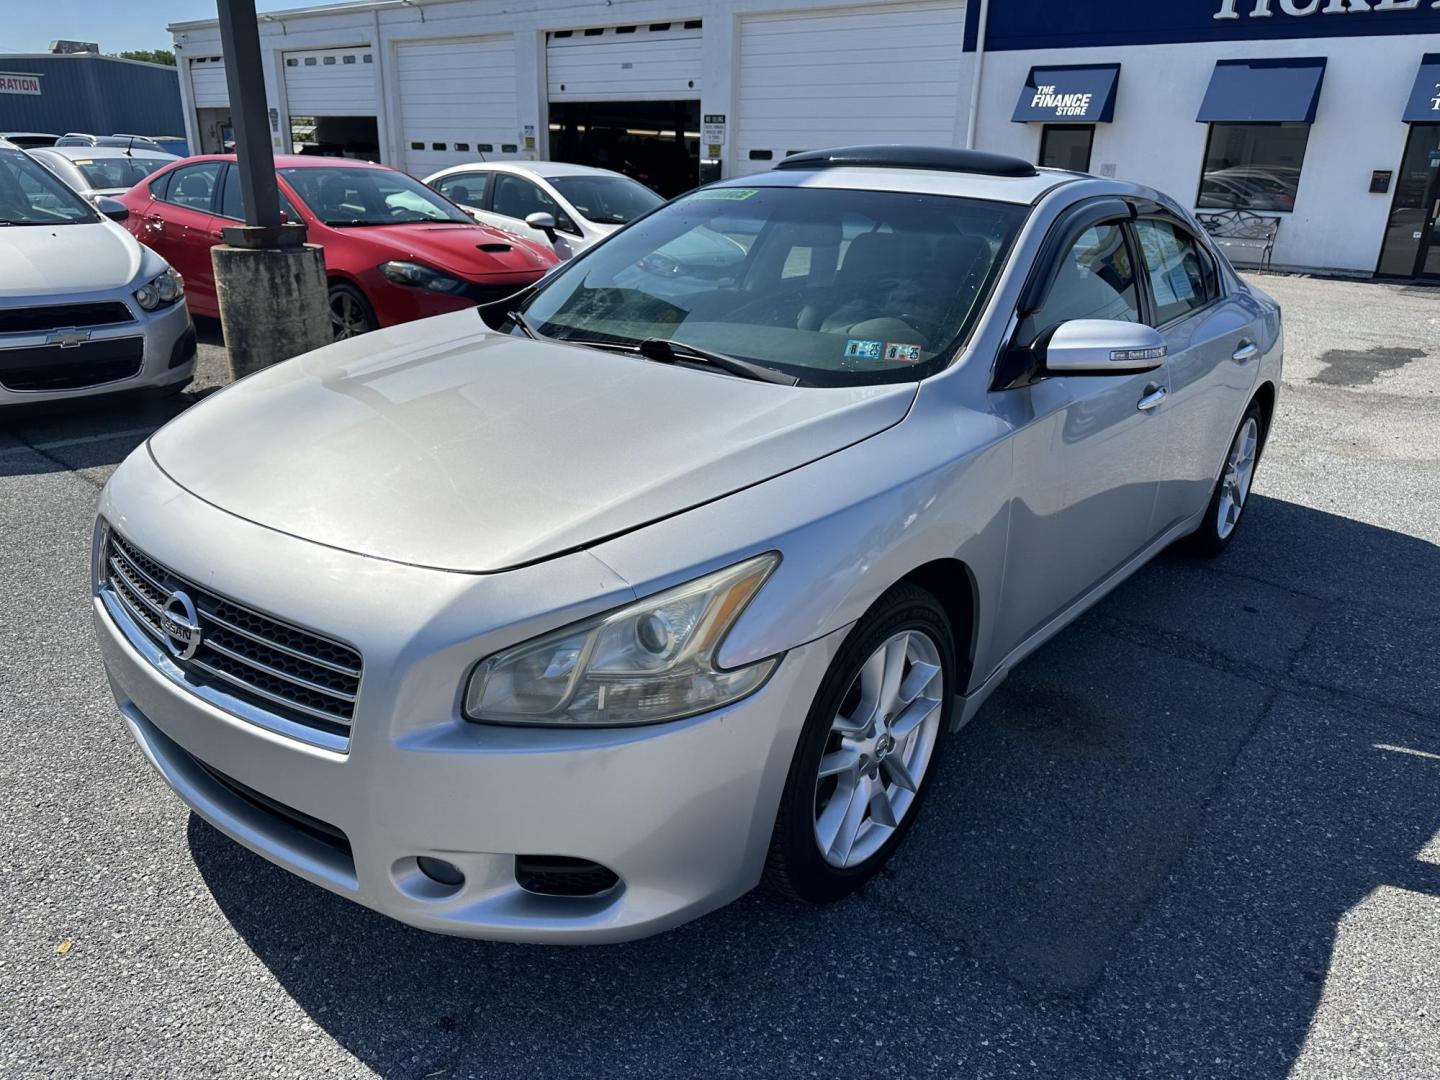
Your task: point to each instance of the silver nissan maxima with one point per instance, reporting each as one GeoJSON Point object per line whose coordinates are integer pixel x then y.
{"type": "Point", "coordinates": [574, 618]}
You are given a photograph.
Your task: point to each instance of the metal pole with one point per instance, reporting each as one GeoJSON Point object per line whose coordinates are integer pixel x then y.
{"type": "Point", "coordinates": [245, 78]}
{"type": "Point", "coordinates": [975, 81]}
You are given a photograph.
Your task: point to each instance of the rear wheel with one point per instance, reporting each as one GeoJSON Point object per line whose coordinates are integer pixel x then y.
{"type": "Point", "coordinates": [1232, 490]}
{"type": "Point", "coordinates": [350, 313]}
{"type": "Point", "coordinates": [860, 771]}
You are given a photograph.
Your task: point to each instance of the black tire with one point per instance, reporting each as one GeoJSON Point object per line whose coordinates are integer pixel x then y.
{"type": "Point", "coordinates": [1210, 540]}
{"type": "Point", "coordinates": [796, 867]}
{"type": "Point", "coordinates": [348, 303]}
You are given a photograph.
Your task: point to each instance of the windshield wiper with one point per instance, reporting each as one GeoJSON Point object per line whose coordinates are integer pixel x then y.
{"type": "Point", "coordinates": [524, 325]}
{"type": "Point", "coordinates": [665, 351]}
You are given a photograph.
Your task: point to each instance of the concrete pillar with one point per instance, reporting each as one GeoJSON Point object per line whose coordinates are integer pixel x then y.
{"type": "Point", "coordinates": [274, 303]}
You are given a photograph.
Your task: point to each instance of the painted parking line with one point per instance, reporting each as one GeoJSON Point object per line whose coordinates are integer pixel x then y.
{"type": "Point", "coordinates": [81, 440]}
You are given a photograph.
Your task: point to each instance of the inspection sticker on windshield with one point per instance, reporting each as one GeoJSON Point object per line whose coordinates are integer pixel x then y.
{"type": "Point", "coordinates": [896, 353]}
{"type": "Point", "coordinates": [855, 349]}
{"type": "Point", "coordinates": [723, 194]}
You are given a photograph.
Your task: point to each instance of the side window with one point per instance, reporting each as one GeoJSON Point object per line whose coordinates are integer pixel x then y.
{"type": "Point", "coordinates": [467, 189]}
{"type": "Point", "coordinates": [519, 198]}
{"type": "Point", "coordinates": [194, 185]}
{"type": "Point", "coordinates": [1096, 280]}
{"type": "Point", "coordinates": [232, 199]}
{"type": "Point", "coordinates": [1182, 276]}
{"type": "Point", "coordinates": [159, 184]}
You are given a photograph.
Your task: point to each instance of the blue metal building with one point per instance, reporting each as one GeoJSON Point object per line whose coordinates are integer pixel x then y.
{"type": "Point", "coordinates": [100, 95]}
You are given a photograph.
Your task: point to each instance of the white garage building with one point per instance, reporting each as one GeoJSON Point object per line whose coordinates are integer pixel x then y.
{"type": "Point", "coordinates": [1321, 115]}
{"type": "Point", "coordinates": [426, 83]}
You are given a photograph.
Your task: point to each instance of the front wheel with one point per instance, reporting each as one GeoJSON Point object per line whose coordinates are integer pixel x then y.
{"type": "Point", "coordinates": [350, 313]}
{"type": "Point", "coordinates": [1232, 490]}
{"type": "Point", "coordinates": [860, 771]}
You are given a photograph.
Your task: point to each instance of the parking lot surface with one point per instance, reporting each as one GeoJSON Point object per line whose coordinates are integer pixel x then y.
{"type": "Point", "coordinates": [1196, 835]}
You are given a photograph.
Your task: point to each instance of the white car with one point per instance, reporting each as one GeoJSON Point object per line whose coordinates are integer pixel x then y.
{"type": "Point", "coordinates": [84, 307]}
{"type": "Point", "coordinates": [584, 205]}
{"type": "Point", "coordinates": [101, 170]}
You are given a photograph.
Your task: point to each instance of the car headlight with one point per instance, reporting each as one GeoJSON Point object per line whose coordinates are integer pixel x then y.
{"type": "Point", "coordinates": [164, 288]}
{"type": "Point", "coordinates": [647, 662]}
{"type": "Point", "coordinates": [421, 277]}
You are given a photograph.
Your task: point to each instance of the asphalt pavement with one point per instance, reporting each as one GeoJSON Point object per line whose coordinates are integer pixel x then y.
{"type": "Point", "coordinates": [1197, 835]}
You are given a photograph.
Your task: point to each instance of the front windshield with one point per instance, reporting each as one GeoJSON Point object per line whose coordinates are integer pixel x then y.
{"type": "Point", "coordinates": [31, 195]}
{"type": "Point", "coordinates": [835, 287]}
{"type": "Point", "coordinates": [606, 200]}
{"type": "Point", "coordinates": [117, 172]}
{"type": "Point", "coordinates": [343, 196]}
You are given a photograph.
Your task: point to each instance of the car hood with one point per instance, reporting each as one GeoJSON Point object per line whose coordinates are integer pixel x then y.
{"type": "Point", "coordinates": [459, 247]}
{"type": "Point", "coordinates": [59, 259]}
{"type": "Point", "coordinates": [441, 444]}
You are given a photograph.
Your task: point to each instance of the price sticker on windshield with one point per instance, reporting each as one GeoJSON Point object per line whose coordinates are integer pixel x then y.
{"type": "Point", "coordinates": [723, 194]}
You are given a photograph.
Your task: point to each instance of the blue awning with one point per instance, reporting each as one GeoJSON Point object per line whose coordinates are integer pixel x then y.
{"type": "Point", "coordinates": [1264, 91]}
{"type": "Point", "coordinates": [1425, 98]}
{"type": "Point", "coordinates": [1084, 94]}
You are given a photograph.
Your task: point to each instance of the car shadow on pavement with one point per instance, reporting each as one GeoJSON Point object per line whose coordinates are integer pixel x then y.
{"type": "Point", "coordinates": [1135, 861]}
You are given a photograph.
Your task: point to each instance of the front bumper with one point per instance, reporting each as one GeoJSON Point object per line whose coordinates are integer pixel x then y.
{"type": "Point", "coordinates": [164, 341]}
{"type": "Point", "coordinates": [681, 812]}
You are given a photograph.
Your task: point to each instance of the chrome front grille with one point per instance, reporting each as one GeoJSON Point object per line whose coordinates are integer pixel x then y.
{"type": "Point", "coordinates": [269, 665]}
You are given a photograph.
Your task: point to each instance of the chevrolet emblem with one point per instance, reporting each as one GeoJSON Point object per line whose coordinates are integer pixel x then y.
{"type": "Point", "coordinates": [68, 339]}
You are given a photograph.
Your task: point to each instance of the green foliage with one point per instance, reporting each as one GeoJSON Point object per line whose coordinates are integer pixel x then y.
{"type": "Point", "coordinates": [150, 56]}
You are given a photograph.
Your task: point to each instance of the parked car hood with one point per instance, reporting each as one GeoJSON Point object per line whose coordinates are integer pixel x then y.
{"type": "Point", "coordinates": [442, 444]}
{"type": "Point", "coordinates": [460, 247]}
{"type": "Point", "coordinates": [59, 259]}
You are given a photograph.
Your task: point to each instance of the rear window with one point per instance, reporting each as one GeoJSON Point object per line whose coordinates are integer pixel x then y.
{"type": "Point", "coordinates": [117, 172]}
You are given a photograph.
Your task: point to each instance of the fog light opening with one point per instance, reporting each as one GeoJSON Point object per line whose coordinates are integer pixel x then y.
{"type": "Point", "coordinates": [440, 871]}
{"type": "Point", "coordinates": [561, 875]}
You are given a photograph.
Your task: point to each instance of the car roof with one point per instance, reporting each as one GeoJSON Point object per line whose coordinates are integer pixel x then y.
{"type": "Point", "coordinates": [1022, 190]}
{"type": "Point", "coordinates": [91, 153]}
{"type": "Point", "coordinates": [545, 170]}
{"type": "Point", "coordinates": [301, 161]}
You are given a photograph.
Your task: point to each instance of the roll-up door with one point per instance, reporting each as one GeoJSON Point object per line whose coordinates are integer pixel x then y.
{"type": "Point", "coordinates": [330, 82]}
{"type": "Point", "coordinates": [458, 101]}
{"type": "Point", "coordinates": [828, 77]}
{"type": "Point", "coordinates": [644, 62]}
{"type": "Point", "coordinates": [207, 82]}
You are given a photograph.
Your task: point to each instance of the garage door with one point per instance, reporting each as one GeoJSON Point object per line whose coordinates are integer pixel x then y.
{"type": "Point", "coordinates": [645, 62]}
{"type": "Point", "coordinates": [457, 101]}
{"type": "Point", "coordinates": [330, 82]}
{"type": "Point", "coordinates": [847, 75]}
{"type": "Point", "coordinates": [207, 81]}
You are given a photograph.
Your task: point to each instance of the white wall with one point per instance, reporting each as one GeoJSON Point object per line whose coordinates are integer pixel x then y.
{"type": "Point", "coordinates": [1337, 224]}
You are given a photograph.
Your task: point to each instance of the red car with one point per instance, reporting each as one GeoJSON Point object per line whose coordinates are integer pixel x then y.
{"type": "Point", "coordinates": [394, 249]}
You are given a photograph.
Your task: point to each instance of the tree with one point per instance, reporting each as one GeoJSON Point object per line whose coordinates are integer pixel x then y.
{"type": "Point", "coordinates": [150, 56]}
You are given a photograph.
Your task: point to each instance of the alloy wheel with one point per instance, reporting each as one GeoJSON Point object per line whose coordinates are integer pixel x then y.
{"type": "Point", "coordinates": [1239, 472]}
{"type": "Point", "coordinates": [879, 747]}
{"type": "Point", "coordinates": [347, 316]}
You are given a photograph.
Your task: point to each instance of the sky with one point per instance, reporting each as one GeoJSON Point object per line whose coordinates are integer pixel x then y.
{"type": "Point", "coordinates": [117, 25]}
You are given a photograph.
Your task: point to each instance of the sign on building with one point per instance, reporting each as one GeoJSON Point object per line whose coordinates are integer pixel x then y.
{"type": "Point", "coordinates": [12, 82]}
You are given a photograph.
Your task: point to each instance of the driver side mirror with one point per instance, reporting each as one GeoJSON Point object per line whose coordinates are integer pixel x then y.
{"type": "Point", "coordinates": [544, 222]}
{"type": "Point", "coordinates": [1104, 347]}
{"type": "Point", "coordinates": [113, 209]}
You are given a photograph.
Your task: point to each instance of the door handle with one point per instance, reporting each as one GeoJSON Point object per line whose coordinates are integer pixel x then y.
{"type": "Point", "coordinates": [1154, 395]}
{"type": "Point", "coordinates": [154, 225]}
{"type": "Point", "coordinates": [1247, 351]}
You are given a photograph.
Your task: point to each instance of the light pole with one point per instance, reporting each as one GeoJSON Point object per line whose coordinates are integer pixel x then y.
{"type": "Point", "coordinates": [270, 283]}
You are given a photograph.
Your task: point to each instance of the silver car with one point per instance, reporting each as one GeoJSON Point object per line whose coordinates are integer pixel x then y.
{"type": "Point", "coordinates": [575, 618]}
{"type": "Point", "coordinates": [85, 309]}
{"type": "Point", "coordinates": [101, 170]}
